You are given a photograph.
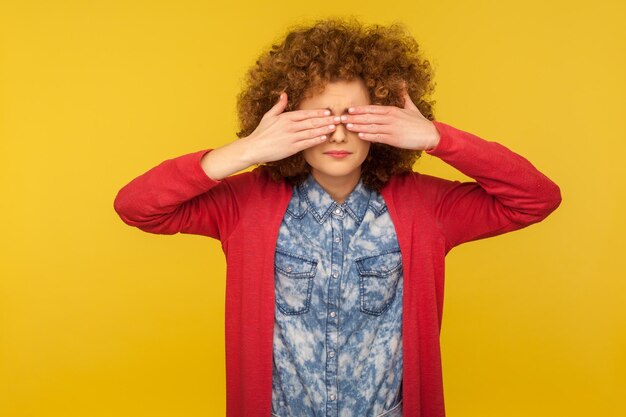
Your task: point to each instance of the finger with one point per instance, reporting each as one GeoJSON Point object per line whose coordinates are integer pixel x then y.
{"type": "Point", "coordinates": [307, 143]}
{"type": "Point", "coordinates": [408, 103]}
{"type": "Point", "coordinates": [315, 122]}
{"type": "Point", "coordinates": [297, 115]}
{"type": "Point", "coordinates": [376, 137]}
{"type": "Point", "coordinates": [279, 106]}
{"type": "Point", "coordinates": [311, 133]}
{"type": "Point", "coordinates": [371, 108]}
{"type": "Point", "coordinates": [369, 128]}
{"type": "Point", "coordinates": [366, 118]}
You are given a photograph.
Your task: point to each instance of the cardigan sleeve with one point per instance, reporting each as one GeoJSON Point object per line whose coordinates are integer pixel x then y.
{"type": "Point", "coordinates": [177, 196]}
{"type": "Point", "coordinates": [509, 192]}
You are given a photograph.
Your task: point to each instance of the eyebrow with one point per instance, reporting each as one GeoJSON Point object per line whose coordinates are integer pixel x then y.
{"type": "Point", "coordinates": [331, 110]}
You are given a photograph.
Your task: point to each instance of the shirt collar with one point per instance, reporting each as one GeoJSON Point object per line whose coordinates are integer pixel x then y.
{"type": "Point", "coordinates": [322, 204]}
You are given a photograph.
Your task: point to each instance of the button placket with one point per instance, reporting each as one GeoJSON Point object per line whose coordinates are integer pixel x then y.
{"type": "Point", "coordinates": [332, 328]}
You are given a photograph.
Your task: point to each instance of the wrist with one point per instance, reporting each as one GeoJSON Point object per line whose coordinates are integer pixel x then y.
{"type": "Point", "coordinates": [226, 160]}
{"type": "Point", "coordinates": [246, 151]}
{"type": "Point", "coordinates": [435, 138]}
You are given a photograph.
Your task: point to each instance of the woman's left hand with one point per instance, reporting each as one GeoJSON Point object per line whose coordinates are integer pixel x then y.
{"type": "Point", "coordinates": [400, 127]}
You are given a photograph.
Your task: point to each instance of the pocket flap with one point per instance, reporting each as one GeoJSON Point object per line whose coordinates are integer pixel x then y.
{"type": "Point", "coordinates": [379, 265]}
{"type": "Point", "coordinates": [294, 265]}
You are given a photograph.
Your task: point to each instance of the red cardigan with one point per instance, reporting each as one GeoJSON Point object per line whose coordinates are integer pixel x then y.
{"type": "Point", "coordinates": [431, 216]}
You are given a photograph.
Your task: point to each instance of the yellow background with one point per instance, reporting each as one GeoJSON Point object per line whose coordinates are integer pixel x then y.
{"type": "Point", "coordinates": [101, 319]}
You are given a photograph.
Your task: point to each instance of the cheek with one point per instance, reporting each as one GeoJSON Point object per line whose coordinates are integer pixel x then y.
{"type": "Point", "coordinates": [313, 151]}
{"type": "Point", "coordinates": [365, 147]}
{"type": "Point", "coordinates": [364, 151]}
{"type": "Point", "coordinates": [309, 155]}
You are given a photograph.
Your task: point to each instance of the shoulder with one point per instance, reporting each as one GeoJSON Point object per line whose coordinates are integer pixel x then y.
{"type": "Point", "coordinates": [255, 177]}
{"type": "Point", "coordinates": [256, 182]}
{"type": "Point", "coordinates": [413, 186]}
{"type": "Point", "coordinates": [413, 180]}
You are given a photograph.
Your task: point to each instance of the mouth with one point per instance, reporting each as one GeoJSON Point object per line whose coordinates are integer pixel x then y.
{"type": "Point", "coordinates": [338, 154]}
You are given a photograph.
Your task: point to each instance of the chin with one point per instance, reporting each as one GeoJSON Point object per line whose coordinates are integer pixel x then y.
{"type": "Point", "coordinates": [336, 173]}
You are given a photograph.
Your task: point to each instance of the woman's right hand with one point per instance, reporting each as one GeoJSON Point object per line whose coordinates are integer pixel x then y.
{"type": "Point", "coordinates": [280, 135]}
{"type": "Point", "coordinates": [277, 136]}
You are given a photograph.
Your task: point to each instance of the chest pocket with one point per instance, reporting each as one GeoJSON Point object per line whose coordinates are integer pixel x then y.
{"type": "Point", "coordinates": [293, 282]}
{"type": "Point", "coordinates": [378, 280]}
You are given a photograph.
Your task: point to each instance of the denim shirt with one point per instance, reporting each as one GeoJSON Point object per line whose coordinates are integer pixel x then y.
{"type": "Point", "coordinates": [338, 311]}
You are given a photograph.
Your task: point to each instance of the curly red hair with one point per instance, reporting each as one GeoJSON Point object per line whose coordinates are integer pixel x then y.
{"type": "Point", "coordinates": [384, 57]}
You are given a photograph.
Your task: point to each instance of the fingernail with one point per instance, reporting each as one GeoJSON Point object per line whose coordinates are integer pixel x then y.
{"type": "Point", "coordinates": [337, 119]}
{"type": "Point", "coordinates": [344, 118]}
{"type": "Point", "coordinates": [349, 125]}
{"type": "Point", "coordinates": [351, 109]}
{"type": "Point", "coordinates": [327, 113]}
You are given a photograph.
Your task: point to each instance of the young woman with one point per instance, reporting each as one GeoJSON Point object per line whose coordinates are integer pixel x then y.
{"type": "Point", "coordinates": [334, 246]}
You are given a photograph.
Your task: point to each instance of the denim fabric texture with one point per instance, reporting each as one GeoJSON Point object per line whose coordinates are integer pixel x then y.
{"type": "Point", "coordinates": [338, 311]}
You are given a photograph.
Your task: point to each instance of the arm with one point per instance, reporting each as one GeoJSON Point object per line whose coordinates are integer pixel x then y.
{"type": "Point", "coordinates": [197, 193]}
{"type": "Point", "coordinates": [189, 194]}
{"type": "Point", "coordinates": [509, 192]}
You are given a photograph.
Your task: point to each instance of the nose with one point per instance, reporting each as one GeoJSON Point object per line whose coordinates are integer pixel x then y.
{"type": "Point", "coordinates": [339, 135]}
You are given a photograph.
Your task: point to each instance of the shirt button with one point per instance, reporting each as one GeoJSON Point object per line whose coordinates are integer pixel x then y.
{"type": "Point", "coordinates": [335, 274]}
{"type": "Point", "coordinates": [337, 239]}
{"type": "Point", "coordinates": [338, 210]}
{"type": "Point", "coordinates": [332, 397]}
{"type": "Point", "coordinates": [331, 354]}
{"type": "Point", "coordinates": [289, 268]}
{"type": "Point", "coordinates": [333, 314]}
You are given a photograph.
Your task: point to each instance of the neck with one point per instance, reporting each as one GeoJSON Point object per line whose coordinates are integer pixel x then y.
{"type": "Point", "coordinates": [339, 188]}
